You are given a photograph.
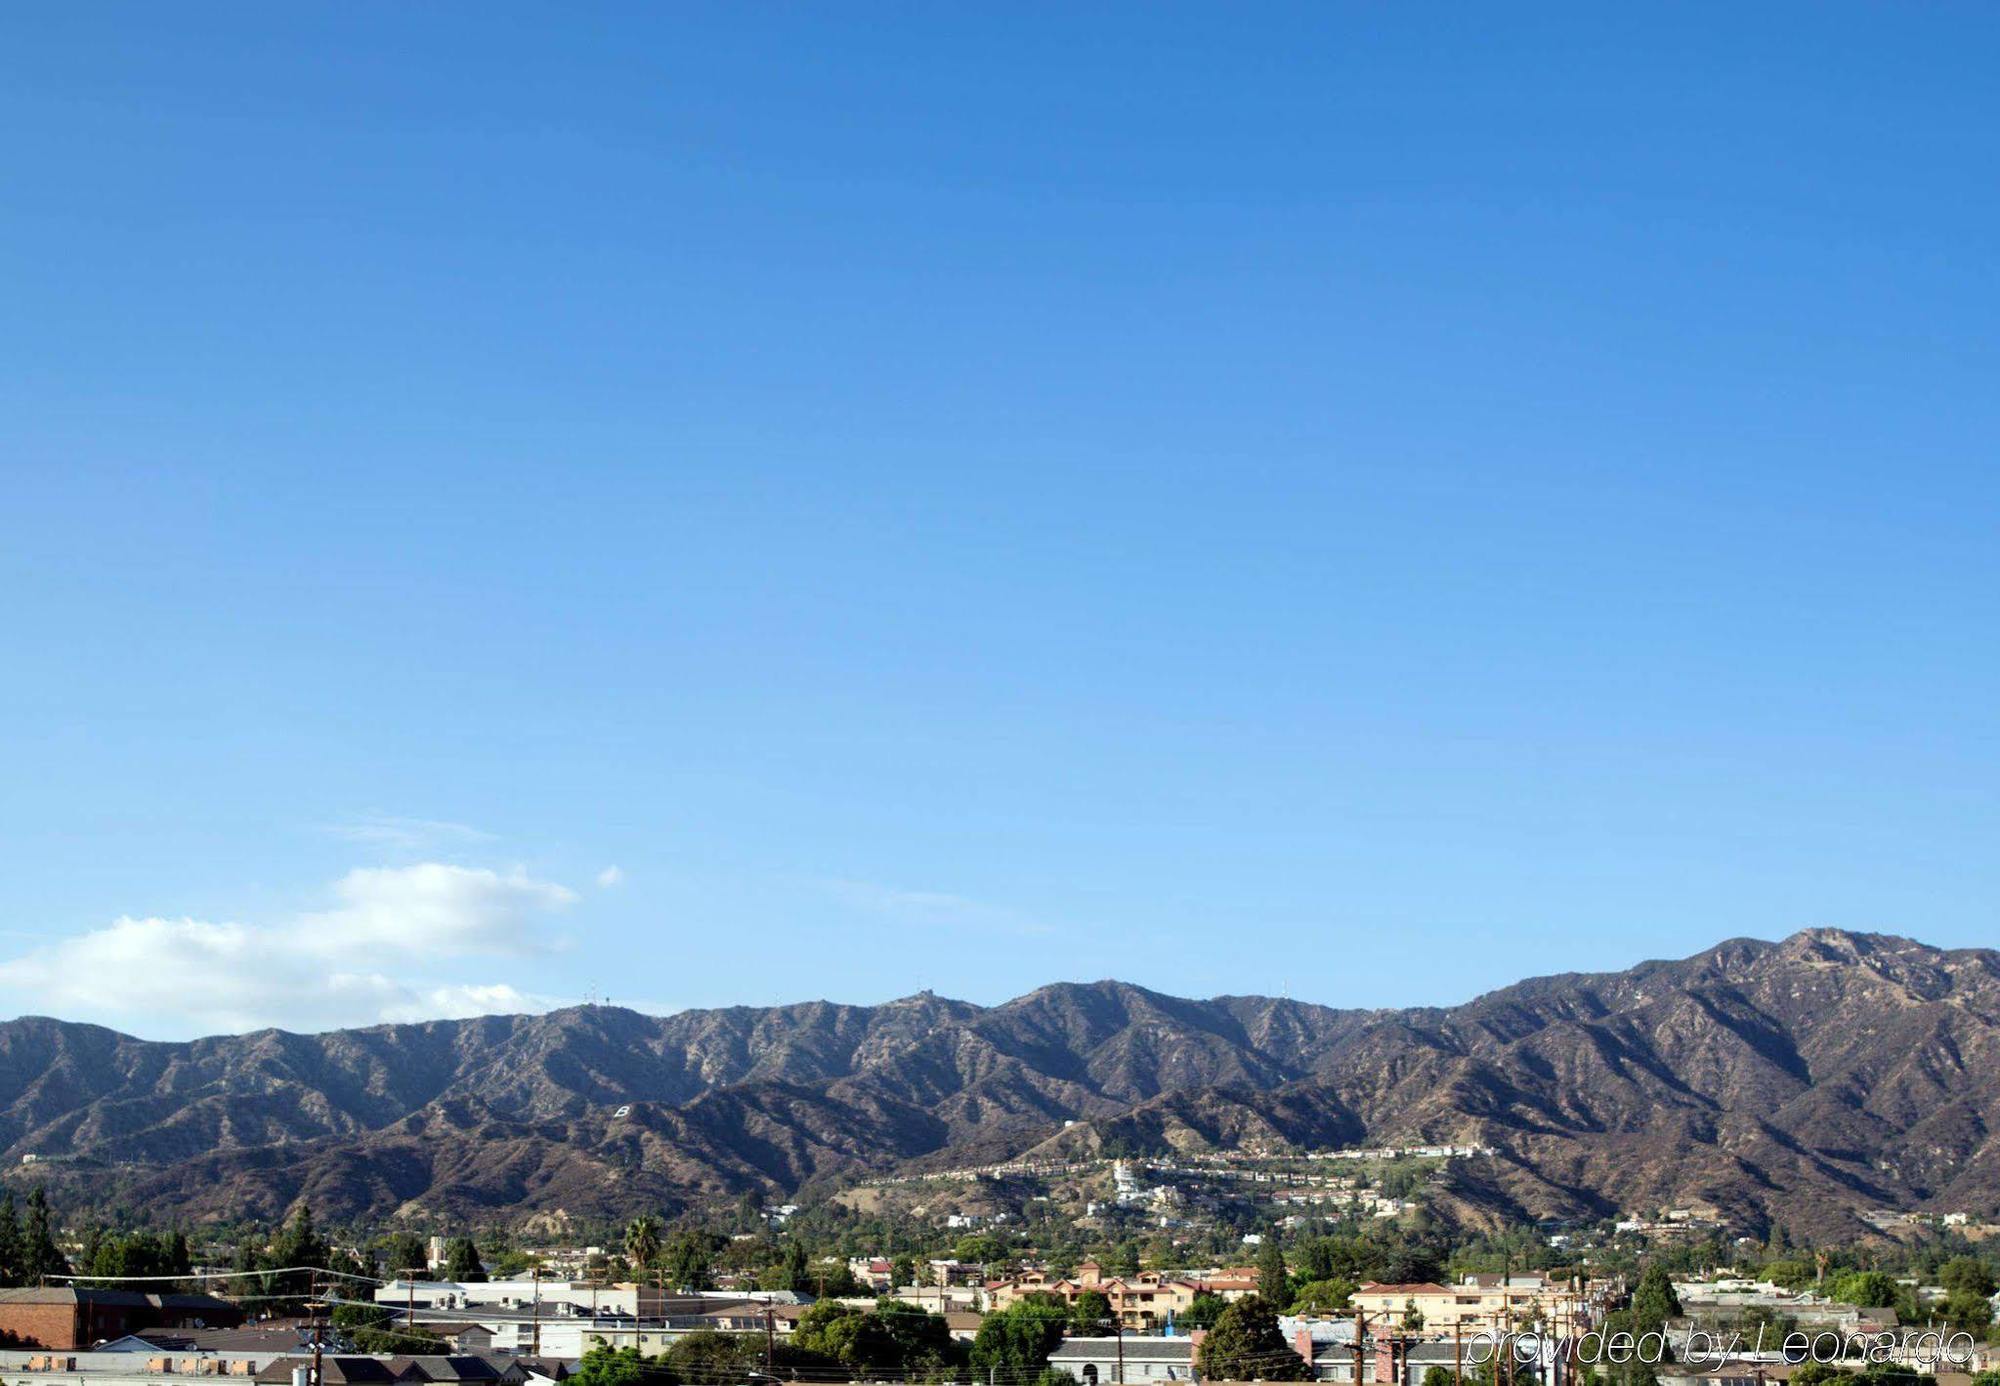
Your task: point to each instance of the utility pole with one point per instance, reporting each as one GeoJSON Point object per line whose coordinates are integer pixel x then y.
{"type": "Point", "coordinates": [1458, 1352]}
{"type": "Point", "coordinates": [536, 1350]}
{"type": "Point", "coordinates": [1119, 1324]}
{"type": "Point", "coordinates": [318, 1379]}
{"type": "Point", "coordinates": [1360, 1332]}
{"type": "Point", "coordinates": [770, 1338]}
{"type": "Point", "coordinates": [638, 1339]}
{"type": "Point", "coordinates": [410, 1312]}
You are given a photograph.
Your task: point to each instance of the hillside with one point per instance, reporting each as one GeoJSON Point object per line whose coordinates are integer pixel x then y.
{"type": "Point", "coordinates": [1803, 1080]}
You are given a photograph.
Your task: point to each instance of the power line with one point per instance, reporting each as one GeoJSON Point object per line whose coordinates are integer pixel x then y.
{"type": "Point", "coordinates": [226, 1275]}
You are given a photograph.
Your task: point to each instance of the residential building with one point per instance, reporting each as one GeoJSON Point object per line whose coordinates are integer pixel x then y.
{"type": "Point", "coordinates": [1326, 1344]}
{"type": "Point", "coordinates": [1142, 1303]}
{"type": "Point", "coordinates": [1230, 1283]}
{"type": "Point", "coordinates": [1096, 1361]}
{"type": "Point", "coordinates": [876, 1272]}
{"type": "Point", "coordinates": [567, 1334]}
{"type": "Point", "coordinates": [1477, 1301]}
{"type": "Point", "coordinates": [952, 1271]}
{"type": "Point", "coordinates": [946, 1299]}
{"type": "Point", "coordinates": [1398, 1302]}
{"type": "Point", "coordinates": [553, 1295]}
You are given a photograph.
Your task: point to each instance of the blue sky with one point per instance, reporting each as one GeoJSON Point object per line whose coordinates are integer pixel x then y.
{"type": "Point", "coordinates": [728, 504]}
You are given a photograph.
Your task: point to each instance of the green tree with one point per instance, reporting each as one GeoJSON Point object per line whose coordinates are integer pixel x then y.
{"type": "Point", "coordinates": [405, 1253]}
{"type": "Point", "coordinates": [294, 1256]}
{"type": "Point", "coordinates": [1245, 1345]}
{"type": "Point", "coordinates": [1316, 1261]}
{"type": "Point", "coordinates": [180, 1256]}
{"type": "Point", "coordinates": [41, 1258]}
{"type": "Point", "coordinates": [609, 1366]}
{"type": "Point", "coordinates": [1274, 1284]}
{"type": "Point", "coordinates": [1322, 1297]}
{"type": "Point", "coordinates": [13, 1248]}
{"type": "Point", "coordinates": [1202, 1311]}
{"type": "Point", "coordinates": [903, 1271]}
{"type": "Point", "coordinates": [361, 1316]}
{"type": "Point", "coordinates": [981, 1249]}
{"type": "Point", "coordinates": [1408, 1264]}
{"type": "Point", "coordinates": [1090, 1312]}
{"type": "Point", "coordinates": [642, 1241]}
{"type": "Point", "coordinates": [894, 1341]}
{"type": "Point", "coordinates": [1867, 1289]}
{"type": "Point", "coordinates": [796, 1273]}
{"type": "Point", "coordinates": [711, 1358]}
{"type": "Point", "coordinates": [1654, 1301]}
{"type": "Point", "coordinates": [462, 1263]}
{"type": "Point", "coordinates": [832, 1278]}
{"type": "Point", "coordinates": [1815, 1374]}
{"type": "Point", "coordinates": [1437, 1376]}
{"type": "Point", "coordinates": [1014, 1343]}
{"type": "Point", "coordinates": [511, 1265]}
{"type": "Point", "coordinates": [1791, 1274]}
{"type": "Point", "coordinates": [112, 1258]}
{"type": "Point", "coordinates": [852, 1337]}
{"type": "Point", "coordinates": [925, 1349]}
{"type": "Point", "coordinates": [1968, 1274]}
{"type": "Point", "coordinates": [1629, 1373]}
{"type": "Point", "coordinates": [1968, 1312]}
{"type": "Point", "coordinates": [301, 1244]}
{"type": "Point", "coordinates": [691, 1259]}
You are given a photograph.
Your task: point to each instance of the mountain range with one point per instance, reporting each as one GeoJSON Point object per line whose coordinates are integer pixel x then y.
{"type": "Point", "coordinates": [1801, 1082]}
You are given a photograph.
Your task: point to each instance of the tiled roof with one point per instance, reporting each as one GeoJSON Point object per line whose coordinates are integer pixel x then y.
{"type": "Point", "coordinates": [1422, 1287]}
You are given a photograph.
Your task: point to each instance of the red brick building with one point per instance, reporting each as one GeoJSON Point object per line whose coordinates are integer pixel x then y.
{"type": "Point", "coordinates": [69, 1318]}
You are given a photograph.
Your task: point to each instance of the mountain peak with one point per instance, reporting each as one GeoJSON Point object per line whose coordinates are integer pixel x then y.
{"type": "Point", "coordinates": [1827, 941]}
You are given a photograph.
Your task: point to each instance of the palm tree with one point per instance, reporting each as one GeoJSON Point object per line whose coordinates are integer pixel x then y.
{"type": "Point", "coordinates": [642, 1240]}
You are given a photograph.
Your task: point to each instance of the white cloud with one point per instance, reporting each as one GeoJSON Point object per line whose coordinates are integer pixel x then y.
{"type": "Point", "coordinates": [609, 877]}
{"type": "Point", "coordinates": [459, 1002]}
{"type": "Point", "coordinates": [407, 834]}
{"type": "Point", "coordinates": [358, 963]}
{"type": "Point", "coordinates": [437, 910]}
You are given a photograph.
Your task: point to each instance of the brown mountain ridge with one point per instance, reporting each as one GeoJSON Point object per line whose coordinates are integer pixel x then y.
{"type": "Point", "coordinates": [1802, 1081]}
